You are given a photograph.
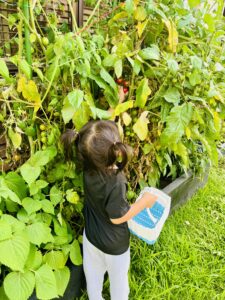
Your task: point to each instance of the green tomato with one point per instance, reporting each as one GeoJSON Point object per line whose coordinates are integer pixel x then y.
{"type": "Point", "coordinates": [44, 139]}
{"type": "Point", "coordinates": [130, 195]}
{"type": "Point", "coordinates": [45, 41]}
{"type": "Point", "coordinates": [42, 127]}
{"type": "Point", "coordinates": [30, 131]}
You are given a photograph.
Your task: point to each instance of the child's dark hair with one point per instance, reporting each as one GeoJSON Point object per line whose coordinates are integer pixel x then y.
{"type": "Point", "coordinates": [99, 146]}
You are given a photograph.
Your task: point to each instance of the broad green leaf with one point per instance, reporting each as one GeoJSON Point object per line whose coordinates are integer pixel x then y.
{"type": "Point", "coordinates": [72, 196]}
{"type": "Point", "coordinates": [129, 6]}
{"type": "Point", "coordinates": [62, 277]}
{"type": "Point", "coordinates": [4, 70]}
{"type": "Point", "coordinates": [118, 66]}
{"type": "Point", "coordinates": [150, 53]}
{"type": "Point", "coordinates": [6, 230]}
{"type": "Point", "coordinates": [15, 224]}
{"type": "Point", "coordinates": [195, 78]}
{"type": "Point", "coordinates": [141, 126]}
{"type": "Point", "coordinates": [68, 111]}
{"type": "Point", "coordinates": [100, 113]}
{"type": "Point", "coordinates": [34, 259]}
{"type": "Point", "coordinates": [140, 13]}
{"type": "Point", "coordinates": [108, 78]}
{"type": "Point", "coordinates": [142, 93]}
{"type": "Point", "coordinates": [173, 65]}
{"type": "Point", "coordinates": [14, 251]}
{"type": "Point", "coordinates": [196, 62]}
{"type": "Point", "coordinates": [122, 107]}
{"type": "Point", "coordinates": [2, 294]}
{"type": "Point", "coordinates": [7, 193]}
{"type": "Point", "coordinates": [25, 68]}
{"type": "Point", "coordinates": [16, 183]}
{"type": "Point", "coordinates": [75, 98]}
{"type": "Point", "coordinates": [22, 215]}
{"type": "Point", "coordinates": [81, 116]}
{"type": "Point", "coordinates": [30, 173]}
{"type": "Point", "coordinates": [45, 283]}
{"type": "Point", "coordinates": [110, 60]}
{"type": "Point", "coordinates": [176, 122]}
{"type": "Point", "coordinates": [147, 148]}
{"type": "Point", "coordinates": [53, 71]}
{"type": "Point", "coordinates": [60, 229]}
{"type": "Point", "coordinates": [55, 195]}
{"type": "Point", "coordinates": [55, 259]}
{"type": "Point", "coordinates": [36, 186]}
{"type": "Point", "coordinates": [194, 3]}
{"type": "Point", "coordinates": [15, 137]}
{"type": "Point", "coordinates": [31, 205]}
{"type": "Point", "coordinates": [172, 95]}
{"type": "Point", "coordinates": [39, 233]}
{"type": "Point", "coordinates": [47, 207]}
{"type": "Point", "coordinates": [19, 285]}
{"type": "Point", "coordinates": [43, 157]}
{"type": "Point", "coordinates": [137, 66]}
{"type": "Point", "coordinates": [75, 253]}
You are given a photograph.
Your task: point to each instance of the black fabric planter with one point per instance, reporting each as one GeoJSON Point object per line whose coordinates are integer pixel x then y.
{"type": "Point", "coordinates": [184, 187]}
{"type": "Point", "coordinates": [75, 286]}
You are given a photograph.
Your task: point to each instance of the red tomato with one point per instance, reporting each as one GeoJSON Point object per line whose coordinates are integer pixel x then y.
{"type": "Point", "coordinates": [125, 90]}
{"type": "Point", "coordinates": [126, 83]}
{"type": "Point", "coordinates": [119, 80]}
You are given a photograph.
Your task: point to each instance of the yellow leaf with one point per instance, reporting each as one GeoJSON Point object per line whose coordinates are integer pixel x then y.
{"type": "Point", "coordinates": [29, 91]}
{"type": "Point", "coordinates": [216, 120]}
{"type": "Point", "coordinates": [188, 133]}
{"type": "Point", "coordinates": [120, 15]}
{"type": "Point", "coordinates": [15, 138]}
{"type": "Point", "coordinates": [126, 118]}
{"type": "Point", "coordinates": [120, 128]}
{"type": "Point", "coordinates": [140, 13]}
{"type": "Point", "coordinates": [141, 27]}
{"type": "Point", "coordinates": [180, 150]}
{"type": "Point", "coordinates": [173, 35]}
{"type": "Point", "coordinates": [122, 107]}
{"type": "Point", "coordinates": [141, 126]}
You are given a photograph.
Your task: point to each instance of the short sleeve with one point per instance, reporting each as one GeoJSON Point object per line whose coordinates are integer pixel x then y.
{"type": "Point", "coordinates": [117, 205]}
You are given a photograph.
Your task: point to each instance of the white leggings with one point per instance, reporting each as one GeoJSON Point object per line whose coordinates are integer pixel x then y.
{"type": "Point", "coordinates": [96, 263]}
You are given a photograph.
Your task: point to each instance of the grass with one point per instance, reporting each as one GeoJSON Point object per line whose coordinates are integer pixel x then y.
{"type": "Point", "coordinates": [188, 260]}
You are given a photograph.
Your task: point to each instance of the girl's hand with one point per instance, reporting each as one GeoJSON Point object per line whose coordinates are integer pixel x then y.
{"type": "Point", "coordinates": [122, 95]}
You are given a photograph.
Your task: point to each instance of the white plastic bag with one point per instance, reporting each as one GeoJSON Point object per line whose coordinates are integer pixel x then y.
{"type": "Point", "coordinates": [148, 224]}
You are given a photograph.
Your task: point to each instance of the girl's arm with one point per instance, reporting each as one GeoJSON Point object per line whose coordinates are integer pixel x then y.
{"type": "Point", "coordinates": [146, 201]}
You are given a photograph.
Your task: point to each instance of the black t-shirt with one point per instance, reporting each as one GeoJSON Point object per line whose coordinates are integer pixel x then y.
{"type": "Point", "coordinates": [105, 199]}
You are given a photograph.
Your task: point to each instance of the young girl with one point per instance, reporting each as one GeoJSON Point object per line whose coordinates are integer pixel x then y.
{"type": "Point", "coordinates": [106, 211]}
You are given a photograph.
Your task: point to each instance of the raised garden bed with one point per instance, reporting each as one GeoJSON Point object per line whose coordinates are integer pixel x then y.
{"type": "Point", "coordinates": [184, 187]}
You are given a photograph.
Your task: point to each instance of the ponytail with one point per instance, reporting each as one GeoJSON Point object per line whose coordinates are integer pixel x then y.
{"type": "Point", "coordinates": [68, 139]}
{"type": "Point", "coordinates": [118, 154]}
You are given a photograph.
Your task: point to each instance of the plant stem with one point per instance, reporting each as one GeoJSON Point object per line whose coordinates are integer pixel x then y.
{"type": "Point", "coordinates": [74, 21]}
{"type": "Point", "coordinates": [93, 13]}
{"type": "Point", "coordinates": [27, 33]}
